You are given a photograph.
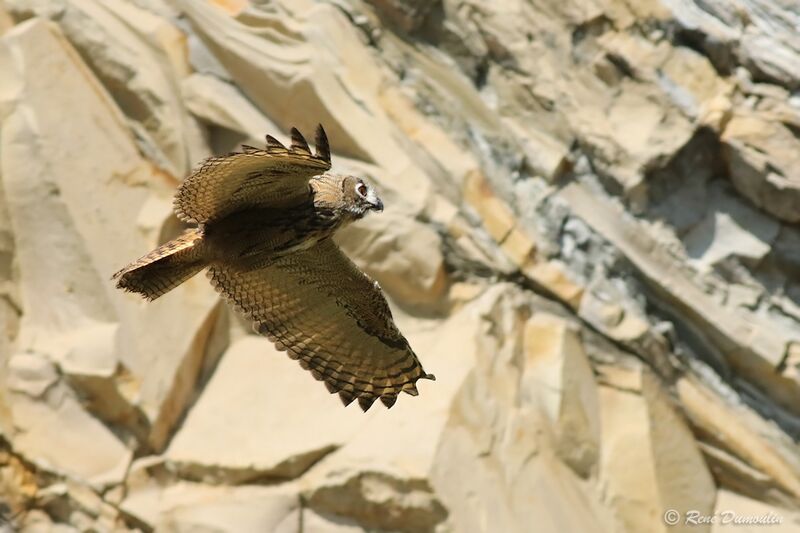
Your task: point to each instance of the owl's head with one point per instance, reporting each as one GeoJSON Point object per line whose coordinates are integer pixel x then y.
{"type": "Point", "coordinates": [349, 197]}
{"type": "Point", "coordinates": [360, 197]}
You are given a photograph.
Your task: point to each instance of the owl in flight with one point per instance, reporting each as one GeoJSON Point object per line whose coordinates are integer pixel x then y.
{"type": "Point", "coordinates": [264, 221]}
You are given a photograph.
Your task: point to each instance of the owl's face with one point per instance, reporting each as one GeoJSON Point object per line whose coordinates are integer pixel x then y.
{"type": "Point", "coordinates": [360, 197]}
{"type": "Point", "coordinates": [348, 197]}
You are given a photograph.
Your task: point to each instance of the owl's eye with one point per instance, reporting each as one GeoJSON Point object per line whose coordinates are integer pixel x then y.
{"type": "Point", "coordinates": [361, 189]}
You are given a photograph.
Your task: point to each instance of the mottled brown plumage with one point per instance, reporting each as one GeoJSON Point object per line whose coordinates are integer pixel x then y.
{"type": "Point", "coordinates": [264, 219]}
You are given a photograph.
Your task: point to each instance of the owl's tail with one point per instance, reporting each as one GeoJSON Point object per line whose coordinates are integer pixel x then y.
{"type": "Point", "coordinates": [166, 267]}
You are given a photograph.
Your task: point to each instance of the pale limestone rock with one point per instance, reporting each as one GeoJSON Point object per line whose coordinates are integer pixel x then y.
{"type": "Point", "coordinates": [759, 343]}
{"type": "Point", "coordinates": [606, 309]}
{"type": "Point", "coordinates": [106, 387]}
{"type": "Point", "coordinates": [379, 490]}
{"type": "Point", "coordinates": [7, 269]}
{"type": "Point", "coordinates": [719, 237]}
{"type": "Point", "coordinates": [461, 293]}
{"type": "Point", "coordinates": [554, 277]}
{"type": "Point", "coordinates": [11, 85]}
{"type": "Point", "coordinates": [761, 33]}
{"type": "Point", "coordinates": [40, 199]}
{"type": "Point", "coordinates": [91, 351]}
{"type": "Point", "coordinates": [220, 103]}
{"type": "Point", "coordinates": [746, 296]}
{"type": "Point", "coordinates": [637, 110]}
{"type": "Point", "coordinates": [249, 395]}
{"type": "Point", "coordinates": [9, 323]}
{"type": "Point", "coordinates": [501, 427]}
{"type": "Point", "coordinates": [378, 500]}
{"type": "Point", "coordinates": [6, 21]}
{"type": "Point", "coordinates": [476, 251]}
{"type": "Point", "coordinates": [183, 507]}
{"type": "Point", "coordinates": [763, 158]}
{"type": "Point", "coordinates": [730, 229]}
{"type": "Point", "coordinates": [624, 117]}
{"type": "Point", "coordinates": [409, 15]}
{"type": "Point", "coordinates": [62, 240]}
{"type": "Point", "coordinates": [140, 58]}
{"type": "Point", "coordinates": [558, 374]}
{"type": "Point", "coordinates": [543, 492]}
{"type": "Point", "coordinates": [9, 289]}
{"type": "Point", "coordinates": [225, 509]}
{"type": "Point", "coordinates": [439, 157]}
{"type": "Point", "coordinates": [31, 374]}
{"type": "Point", "coordinates": [691, 81]}
{"type": "Point", "coordinates": [81, 506]}
{"type": "Point", "coordinates": [273, 70]}
{"type": "Point", "coordinates": [545, 155]}
{"type": "Point", "coordinates": [731, 473]}
{"type": "Point", "coordinates": [742, 434]}
{"type": "Point", "coordinates": [645, 430]}
{"type": "Point", "coordinates": [520, 247]}
{"type": "Point", "coordinates": [496, 216]}
{"type": "Point", "coordinates": [60, 418]}
{"type": "Point", "coordinates": [317, 523]}
{"type": "Point", "coordinates": [734, 511]}
{"type": "Point", "coordinates": [311, 68]}
{"type": "Point", "coordinates": [18, 483]}
{"type": "Point", "coordinates": [402, 255]}
{"type": "Point", "coordinates": [233, 7]}
{"type": "Point", "coordinates": [457, 127]}
{"type": "Point", "coordinates": [37, 521]}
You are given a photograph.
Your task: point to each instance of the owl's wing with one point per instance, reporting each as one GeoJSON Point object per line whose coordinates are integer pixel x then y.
{"type": "Point", "coordinates": [320, 308]}
{"type": "Point", "coordinates": [274, 176]}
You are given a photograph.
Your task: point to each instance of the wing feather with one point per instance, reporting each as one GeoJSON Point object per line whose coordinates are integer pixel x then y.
{"type": "Point", "coordinates": [321, 144]}
{"type": "Point", "coordinates": [274, 176]}
{"type": "Point", "coordinates": [299, 144]}
{"type": "Point", "coordinates": [331, 317]}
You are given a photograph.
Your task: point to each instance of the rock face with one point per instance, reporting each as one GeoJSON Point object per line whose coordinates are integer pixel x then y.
{"type": "Point", "coordinates": [590, 238]}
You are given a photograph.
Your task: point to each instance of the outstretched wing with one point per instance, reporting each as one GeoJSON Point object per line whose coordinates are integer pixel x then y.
{"type": "Point", "coordinates": [275, 176]}
{"type": "Point", "coordinates": [320, 308]}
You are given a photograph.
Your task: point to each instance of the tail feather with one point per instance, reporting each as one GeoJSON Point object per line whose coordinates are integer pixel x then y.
{"type": "Point", "coordinates": [164, 268]}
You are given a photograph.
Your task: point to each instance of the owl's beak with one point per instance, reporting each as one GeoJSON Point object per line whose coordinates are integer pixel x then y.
{"type": "Point", "coordinates": [373, 201]}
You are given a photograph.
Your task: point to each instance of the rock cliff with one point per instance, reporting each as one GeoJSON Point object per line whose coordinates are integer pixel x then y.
{"type": "Point", "coordinates": [591, 238]}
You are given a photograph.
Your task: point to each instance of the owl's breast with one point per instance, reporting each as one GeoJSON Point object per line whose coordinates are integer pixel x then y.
{"type": "Point", "coordinates": [269, 232]}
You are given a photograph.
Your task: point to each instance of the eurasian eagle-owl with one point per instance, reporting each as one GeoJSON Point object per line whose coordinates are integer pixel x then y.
{"type": "Point", "coordinates": [264, 221]}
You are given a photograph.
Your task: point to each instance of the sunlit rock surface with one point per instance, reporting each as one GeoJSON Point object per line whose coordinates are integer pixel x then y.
{"type": "Point", "coordinates": [590, 239]}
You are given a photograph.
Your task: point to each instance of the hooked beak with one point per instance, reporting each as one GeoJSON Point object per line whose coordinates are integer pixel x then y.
{"type": "Point", "coordinates": [373, 201]}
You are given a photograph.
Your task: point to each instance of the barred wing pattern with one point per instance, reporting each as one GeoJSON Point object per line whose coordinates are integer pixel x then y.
{"type": "Point", "coordinates": [275, 176]}
{"type": "Point", "coordinates": [320, 308]}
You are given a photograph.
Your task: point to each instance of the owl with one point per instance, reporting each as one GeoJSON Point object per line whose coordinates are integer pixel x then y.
{"type": "Point", "coordinates": [263, 221]}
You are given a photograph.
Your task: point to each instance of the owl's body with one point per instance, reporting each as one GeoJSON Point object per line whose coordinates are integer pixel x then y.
{"type": "Point", "coordinates": [265, 219]}
{"type": "Point", "coordinates": [271, 232]}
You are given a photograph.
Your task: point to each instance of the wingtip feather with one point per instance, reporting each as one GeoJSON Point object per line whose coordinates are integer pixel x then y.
{"type": "Point", "coordinates": [365, 402]}
{"type": "Point", "coordinates": [323, 149]}
{"type": "Point", "coordinates": [346, 397]}
{"type": "Point", "coordinates": [274, 144]}
{"type": "Point", "coordinates": [299, 143]}
{"type": "Point", "coordinates": [388, 400]}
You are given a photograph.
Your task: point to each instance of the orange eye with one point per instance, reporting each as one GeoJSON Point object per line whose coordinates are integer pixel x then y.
{"type": "Point", "coordinates": [361, 189]}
